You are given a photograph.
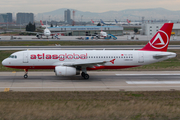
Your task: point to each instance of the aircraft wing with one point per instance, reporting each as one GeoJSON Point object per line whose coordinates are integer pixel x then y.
{"type": "Point", "coordinates": [57, 33]}
{"type": "Point", "coordinates": [39, 33]}
{"type": "Point", "coordinates": [87, 64]}
{"type": "Point", "coordinates": [90, 63]}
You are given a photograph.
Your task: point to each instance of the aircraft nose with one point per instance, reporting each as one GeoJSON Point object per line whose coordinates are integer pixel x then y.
{"type": "Point", "coordinates": [4, 62]}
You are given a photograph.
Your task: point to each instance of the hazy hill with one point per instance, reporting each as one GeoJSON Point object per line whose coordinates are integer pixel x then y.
{"type": "Point", "coordinates": [132, 14]}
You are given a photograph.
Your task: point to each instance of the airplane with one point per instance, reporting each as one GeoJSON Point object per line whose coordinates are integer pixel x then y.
{"type": "Point", "coordinates": [133, 23]}
{"type": "Point", "coordinates": [123, 23]}
{"type": "Point", "coordinates": [105, 23]}
{"type": "Point", "coordinates": [103, 34]}
{"type": "Point", "coordinates": [71, 62]}
{"type": "Point", "coordinates": [46, 32]}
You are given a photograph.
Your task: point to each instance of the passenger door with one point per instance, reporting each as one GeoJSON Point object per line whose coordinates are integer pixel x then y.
{"type": "Point", "coordinates": [25, 57]}
{"type": "Point", "coordinates": [141, 57]}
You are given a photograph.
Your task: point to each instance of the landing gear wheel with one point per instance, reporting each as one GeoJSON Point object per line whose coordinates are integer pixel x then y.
{"type": "Point", "coordinates": [25, 76]}
{"type": "Point", "coordinates": [86, 76]}
{"type": "Point", "coordinates": [26, 72]}
{"type": "Point", "coordinates": [82, 74]}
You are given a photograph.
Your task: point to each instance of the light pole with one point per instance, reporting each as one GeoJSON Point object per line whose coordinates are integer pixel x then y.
{"type": "Point", "coordinates": [81, 18]}
{"type": "Point", "coordinates": [7, 22]}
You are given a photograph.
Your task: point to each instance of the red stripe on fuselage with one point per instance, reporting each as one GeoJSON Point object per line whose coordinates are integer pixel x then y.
{"type": "Point", "coordinates": [53, 67]}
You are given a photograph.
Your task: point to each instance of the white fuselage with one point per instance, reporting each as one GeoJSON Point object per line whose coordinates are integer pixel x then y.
{"type": "Point", "coordinates": [117, 59]}
{"type": "Point", "coordinates": [103, 34]}
{"type": "Point", "coordinates": [47, 32]}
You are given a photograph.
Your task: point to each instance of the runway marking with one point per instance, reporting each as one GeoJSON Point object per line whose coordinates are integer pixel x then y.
{"type": "Point", "coordinates": [144, 74]}
{"type": "Point", "coordinates": [153, 82]}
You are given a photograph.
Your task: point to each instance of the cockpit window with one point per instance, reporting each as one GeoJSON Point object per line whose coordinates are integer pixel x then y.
{"type": "Point", "coordinates": [13, 56]}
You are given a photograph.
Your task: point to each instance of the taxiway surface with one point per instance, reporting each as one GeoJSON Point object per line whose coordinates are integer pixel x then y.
{"type": "Point", "coordinates": [87, 47]}
{"type": "Point", "coordinates": [99, 81]}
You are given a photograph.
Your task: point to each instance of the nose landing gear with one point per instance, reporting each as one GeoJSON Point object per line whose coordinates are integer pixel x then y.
{"type": "Point", "coordinates": [26, 72]}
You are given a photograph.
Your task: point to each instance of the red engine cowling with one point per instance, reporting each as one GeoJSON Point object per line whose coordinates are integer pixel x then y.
{"type": "Point", "coordinates": [66, 71]}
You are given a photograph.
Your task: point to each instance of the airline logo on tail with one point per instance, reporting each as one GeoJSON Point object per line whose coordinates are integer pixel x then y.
{"type": "Point", "coordinates": [160, 40]}
{"type": "Point", "coordinates": [92, 21]}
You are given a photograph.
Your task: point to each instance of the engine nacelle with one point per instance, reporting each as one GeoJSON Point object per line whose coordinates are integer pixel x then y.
{"type": "Point", "coordinates": [66, 71]}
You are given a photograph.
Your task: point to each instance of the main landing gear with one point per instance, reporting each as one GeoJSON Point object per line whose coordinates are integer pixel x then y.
{"type": "Point", "coordinates": [84, 74]}
{"type": "Point", "coordinates": [26, 72]}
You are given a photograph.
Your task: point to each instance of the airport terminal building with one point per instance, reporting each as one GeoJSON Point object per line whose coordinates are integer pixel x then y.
{"type": "Point", "coordinates": [151, 29]}
{"type": "Point", "coordinates": [87, 30]}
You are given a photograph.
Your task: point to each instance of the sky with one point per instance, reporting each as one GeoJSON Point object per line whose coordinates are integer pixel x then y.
{"type": "Point", "coordinates": [40, 6]}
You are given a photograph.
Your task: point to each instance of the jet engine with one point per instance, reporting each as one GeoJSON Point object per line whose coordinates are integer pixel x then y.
{"type": "Point", "coordinates": [66, 71]}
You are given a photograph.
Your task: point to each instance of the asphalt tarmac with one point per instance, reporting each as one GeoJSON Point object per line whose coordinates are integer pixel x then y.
{"type": "Point", "coordinates": [90, 47]}
{"type": "Point", "coordinates": [99, 81]}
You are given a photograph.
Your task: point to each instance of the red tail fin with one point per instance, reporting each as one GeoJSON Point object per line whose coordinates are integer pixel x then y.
{"type": "Point", "coordinates": [41, 22]}
{"type": "Point", "coordinates": [92, 21]}
{"type": "Point", "coordinates": [128, 21]}
{"type": "Point", "coordinates": [161, 39]}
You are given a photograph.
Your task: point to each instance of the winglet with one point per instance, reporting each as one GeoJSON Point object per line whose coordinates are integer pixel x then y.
{"type": "Point", "coordinates": [161, 39]}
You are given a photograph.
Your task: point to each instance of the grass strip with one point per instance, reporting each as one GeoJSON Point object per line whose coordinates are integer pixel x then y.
{"type": "Point", "coordinates": [161, 105]}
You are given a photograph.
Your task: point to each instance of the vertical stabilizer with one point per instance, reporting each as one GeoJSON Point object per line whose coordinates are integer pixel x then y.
{"type": "Point", "coordinates": [161, 39]}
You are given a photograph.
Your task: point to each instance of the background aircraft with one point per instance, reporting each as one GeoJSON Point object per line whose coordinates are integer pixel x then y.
{"type": "Point", "coordinates": [102, 22]}
{"type": "Point", "coordinates": [46, 32]}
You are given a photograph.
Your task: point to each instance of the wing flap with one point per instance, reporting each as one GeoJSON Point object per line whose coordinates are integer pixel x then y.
{"type": "Point", "coordinates": [88, 64]}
